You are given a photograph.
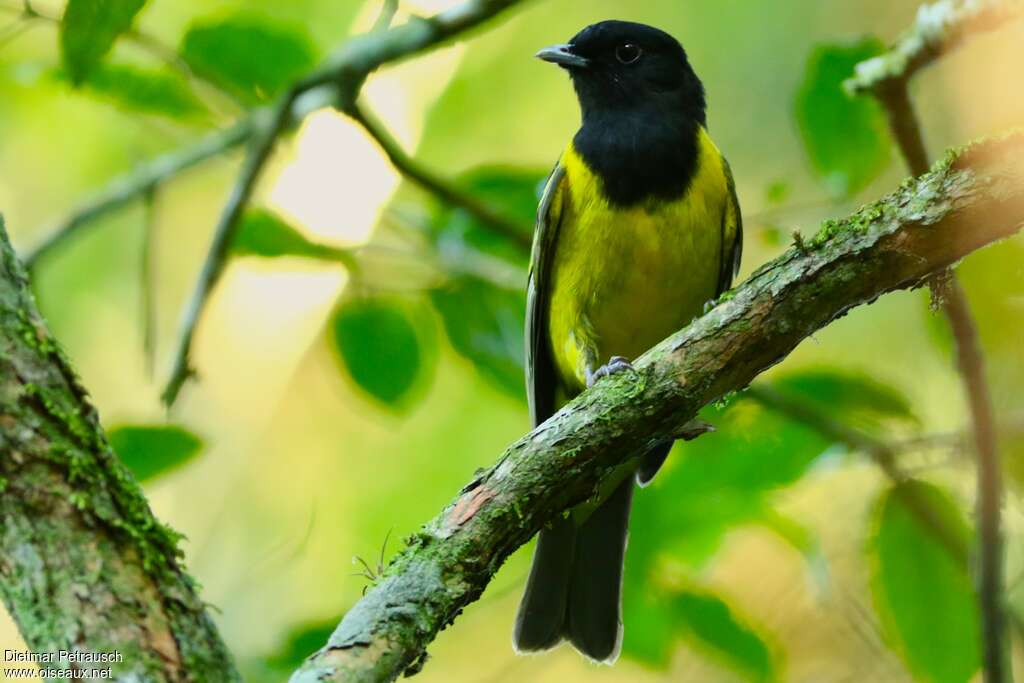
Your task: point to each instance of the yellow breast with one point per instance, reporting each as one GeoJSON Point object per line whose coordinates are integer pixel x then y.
{"type": "Point", "coordinates": [623, 279]}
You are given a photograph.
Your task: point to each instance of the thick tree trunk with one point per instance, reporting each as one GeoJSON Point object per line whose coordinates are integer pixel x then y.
{"type": "Point", "coordinates": [84, 564]}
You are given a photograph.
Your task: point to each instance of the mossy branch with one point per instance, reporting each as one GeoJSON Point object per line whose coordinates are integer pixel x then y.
{"type": "Point", "coordinates": [940, 28]}
{"type": "Point", "coordinates": [973, 198]}
{"type": "Point", "coordinates": [84, 564]}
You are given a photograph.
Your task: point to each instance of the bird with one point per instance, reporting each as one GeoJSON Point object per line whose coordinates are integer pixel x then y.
{"type": "Point", "coordinates": [638, 229]}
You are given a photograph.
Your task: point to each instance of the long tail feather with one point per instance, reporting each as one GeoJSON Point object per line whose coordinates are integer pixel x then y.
{"type": "Point", "coordinates": [540, 623]}
{"type": "Point", "coordinates": [594, 615]}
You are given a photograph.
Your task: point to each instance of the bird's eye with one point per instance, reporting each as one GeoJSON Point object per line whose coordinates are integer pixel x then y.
{"type": "Point", "coordinates": [628, 53]}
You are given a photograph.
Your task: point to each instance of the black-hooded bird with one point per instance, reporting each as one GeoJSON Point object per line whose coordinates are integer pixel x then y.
{"type": "Point", "coordinates": [638, 228]}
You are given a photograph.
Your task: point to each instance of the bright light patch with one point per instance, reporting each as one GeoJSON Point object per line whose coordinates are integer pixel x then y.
{"type": "Point", "coordinates": [332, 182]}
{"type": "Point", "coordinates": [257, 328]}
{"type": "Point", "coordinates": [337, 181]}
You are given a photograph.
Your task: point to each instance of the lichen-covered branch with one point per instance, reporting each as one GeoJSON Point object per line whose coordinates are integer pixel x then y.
{"type": "Point", "coordinates": [940, 28]}
{"type": "Point", "coordinates": [973, 198]}
{"type": "Point", "coordinates": [84, 564]}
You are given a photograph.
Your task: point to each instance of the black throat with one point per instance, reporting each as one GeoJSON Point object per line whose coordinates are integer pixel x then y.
{"type": "Point", "coordinates": [640, 154]}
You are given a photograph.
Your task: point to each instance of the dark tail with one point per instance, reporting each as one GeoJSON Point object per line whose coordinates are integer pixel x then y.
{"type": "Point", "coordinates": [575, 586]}
{"type": "Point", "coordinates": [541, 619]}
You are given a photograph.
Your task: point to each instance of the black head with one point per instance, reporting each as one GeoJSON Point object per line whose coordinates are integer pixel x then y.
{"type": "Point", "coordinates": [620, 65]}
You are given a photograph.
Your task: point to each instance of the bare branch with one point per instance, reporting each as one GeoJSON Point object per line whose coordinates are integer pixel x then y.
{"type": "Point", "coordinates": [940, 28]}
{"type": "Point", "coordinates": [884, 455]}
{"type": "Point", "coordinates": [223, 235]}
{"type": "Point", "coordinates": [387, 14]}
{"type": "Point", "coordinates": [989, 487]}
{"type": "Point", "coordinates": [345, 71]}
{"type": "Point", "coordinates": [444, 190]}
{"type": "Point", "coordinates": [968, 201]}
{"type": "Point", "coordinates": [135, 184]}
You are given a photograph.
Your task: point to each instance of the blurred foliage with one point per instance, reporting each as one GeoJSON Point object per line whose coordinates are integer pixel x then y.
{"type": "Point", "coordinates": [150, 451]}
{"type": "Point", "coordinates": [845, 137]}
{"type": "Point", "coordinates": [144, 90]}
{"type": "Point", "coordinates": [485, 325]}
{"type": "Point", "coordinates": [249, 56]}
{"type": "Point", "coordinates": [263, 233]}
{"type": "Point", "coordinates": [298, 644]}
{"type": "Point", "coordinates": [88, 30]}
{"type": "Point", "coordinates": [484, 321]}
{"type": "Point", "coordinates": [514, 192]}
{"type": "Point", "coordinates": [861, 400]}
{"type": "Point", "coordinates": [382, 349]}
{"type": "Point", "coordinates": [923, 594]}
{"type": "Point", "coordinates": [713, 623]}
{"type": "Point", "coordinates": [503, 117]}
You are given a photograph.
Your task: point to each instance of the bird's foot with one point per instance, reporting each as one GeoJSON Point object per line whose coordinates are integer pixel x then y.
{"type": "Point", "coordinates": [615, 365]}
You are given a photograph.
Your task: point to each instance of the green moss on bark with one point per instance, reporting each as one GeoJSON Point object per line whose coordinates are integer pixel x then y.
{"type": "Point", "coordinates": [967, 201]}
{"type": "Point", "coordinates": [84, 564]}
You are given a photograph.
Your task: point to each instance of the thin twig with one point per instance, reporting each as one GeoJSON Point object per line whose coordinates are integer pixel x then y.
{"type": "Point", "coordinates": [131, 186]}
{"type": "Point", "coordinates": [904, 124]}
{"type": "Point", "coordinates": [148, 280]}
{"type": "Point", "coordinates": [13, 31]}
{"type": "Point", "coordinates": [989, 485]}
{"type": "Point", "coordinates": [877, 449]}
{"type": "Point", "coordinates": [344, 72]}
{"type": "Point", "coordinates": [445, 191]}
{"type": "Point", "coordinates": [939, 28]}
{"type": "Point", "coordinates": [387, 14]}
{"type": "Point", "coordinates": [223, 234]}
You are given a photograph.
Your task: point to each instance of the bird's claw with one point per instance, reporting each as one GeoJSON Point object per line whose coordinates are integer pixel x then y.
{"type": "Point", "coordinates": [615, 365]}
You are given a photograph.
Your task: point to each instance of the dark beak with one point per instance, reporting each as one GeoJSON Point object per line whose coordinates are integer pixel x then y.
{"type": "Point", "coordinates": [562, 55]}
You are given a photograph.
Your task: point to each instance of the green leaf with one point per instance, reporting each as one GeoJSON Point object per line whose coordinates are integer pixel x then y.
{"type": "Point", "coordinates": [714, 484]}
{"type": "Point", "coordinates": [845, 137]}
{"type": "Point", "coordinates": [380, 349]}
{"type": "Point", "coordinates": [923, 595]}
{"type": "Point", "coordinates": [254, 58]}
{"type": "Point", "coordinates": [147, 91]}
{"type": "Point", "coordinates": [300, 642]}
{"type": "Point", "coordinates": [650, 633]}
{"type": "Point", "coordinates": [264, 233]}
{"type": "Point", "coordinates": [149, 451]}
{"type": "Point", "coordinates": [712, 625]}
{"type": "Point", "coordinates": [485, 325]}
{"type": "Point", "coordinates": [655, 624]}
{"type": "Point", "coordinates": [88, 30]}
{"type": "Point", "coordinates": [514, 192]}
{"type": "Point", "coordinates": [856, 397]}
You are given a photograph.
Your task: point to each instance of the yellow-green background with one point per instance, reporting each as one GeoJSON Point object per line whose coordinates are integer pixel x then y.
{"type": "Point", "coordinates": [300, 472]}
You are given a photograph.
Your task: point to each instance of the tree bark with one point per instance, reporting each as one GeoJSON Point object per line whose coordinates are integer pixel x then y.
{"type": "Point", "coordinates": [973, 198]}
{"type": "Point", "coordinates": [84, 565]}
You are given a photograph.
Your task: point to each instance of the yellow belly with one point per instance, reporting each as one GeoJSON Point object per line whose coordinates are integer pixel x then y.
{"type": "Point", "coordinates": [624, 279]}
